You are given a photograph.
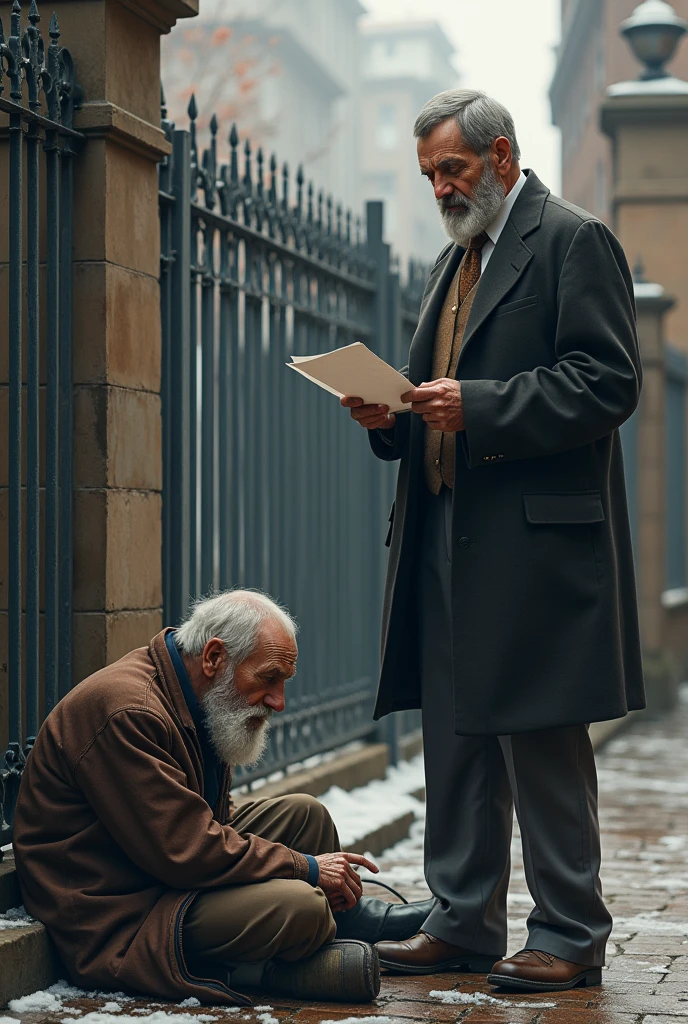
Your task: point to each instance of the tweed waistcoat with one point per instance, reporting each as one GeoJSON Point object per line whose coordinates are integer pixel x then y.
{"type": "Point", "coordinates": [451, 326]}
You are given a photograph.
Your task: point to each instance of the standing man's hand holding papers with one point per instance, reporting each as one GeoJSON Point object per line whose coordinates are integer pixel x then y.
{"type": "Point", "coordinates": [438, 402]}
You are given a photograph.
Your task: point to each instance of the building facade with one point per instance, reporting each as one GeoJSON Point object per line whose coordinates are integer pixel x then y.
{"type": "Point", "coordinates": [591, 56]}
{"type": "Point", "coordinates": [402, 66]}
{"type": "Point", "coordinates": [287, 73]}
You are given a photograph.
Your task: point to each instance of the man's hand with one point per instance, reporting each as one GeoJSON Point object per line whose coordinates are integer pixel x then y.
{"type": "Point", "coordinates": [372, 417]}
{"type": "Point", "coordinates": [439, 403]}
{"type": "Point", "coordinates": [339, 881]}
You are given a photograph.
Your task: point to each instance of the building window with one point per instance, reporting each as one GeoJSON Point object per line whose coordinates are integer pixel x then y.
{"type": "Point", "coordinates": [386, 132]}
{"type": "Point", "coordinates": [676, 542]}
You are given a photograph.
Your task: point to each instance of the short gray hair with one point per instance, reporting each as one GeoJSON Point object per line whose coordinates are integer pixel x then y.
{"type": "Point", "coordinates": [234, 617]}
{"type": "Point", "coordinates": [481, 119]}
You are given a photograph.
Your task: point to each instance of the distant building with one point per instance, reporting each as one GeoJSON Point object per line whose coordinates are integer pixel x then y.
{"type": "Point", "coordinates": [591, 56]}
{"type": "Point", "coordinates": [287, 72]}
{"type": "Point", "coordinates": [402, 66]}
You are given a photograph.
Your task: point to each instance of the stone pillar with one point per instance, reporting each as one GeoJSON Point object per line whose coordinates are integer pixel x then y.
{"type": "Point", "coordinates": [115, 45]}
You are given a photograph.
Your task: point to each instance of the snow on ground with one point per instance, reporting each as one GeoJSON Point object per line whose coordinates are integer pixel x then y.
{"type": "Point", "coordinates": [453, 997]}
{"type": "Point", "coordinates": [360, 811]}
{"type": "Point", "coordinates": [15, 917]}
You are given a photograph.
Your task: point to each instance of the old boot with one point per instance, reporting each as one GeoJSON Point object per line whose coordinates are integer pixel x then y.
{"type": "Point", "coordinates": [345, 971]}
{"type": "Point", "coordinates": [373, 920]}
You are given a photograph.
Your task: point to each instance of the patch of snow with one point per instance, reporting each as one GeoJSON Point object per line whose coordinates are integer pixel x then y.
{"type": "Point", "coordinates": [649, 923]}
{"type": "Point", "coordinates": [112, 1007]}
{"type": "Point", "coordinates": [366, 1020]}
{"type": "Point", "coordinates": [453, 997]}
{"type": "Point", "coordinates": [657, 970]}
{"type": "Point", "coordinates": [358, 812]}
{"type": "Point", "coordinates": [8, 1020]}
{"type": "Point", "coordinates": [263, 1009]}
{"type": "Point", "coordinates": [191, 1001]}
{"type": "Point", "coordinates": [267, 1018]}
{"type": "Point", "coordinates": [15, 917]}
{"type": "Point", "coordinates": [37, 1002]}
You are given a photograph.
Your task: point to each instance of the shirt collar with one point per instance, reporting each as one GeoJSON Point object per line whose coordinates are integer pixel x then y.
{"type": "Point", "coordinates": [499, 223]}
{"type": "Point", "coordinates": [190, 697]}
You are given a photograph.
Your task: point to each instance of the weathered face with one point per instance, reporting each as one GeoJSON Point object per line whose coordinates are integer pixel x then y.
{"type": "Point", "coordinates": [238, 705]}
{"type": "Point", "coordinates": [447, 162]}
{"type": "Point", "coordinates": [469, 189]}
{"type": "Point", "coordinates": [261, 677]}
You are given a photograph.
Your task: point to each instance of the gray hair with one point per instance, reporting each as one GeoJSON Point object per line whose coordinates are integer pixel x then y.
{"type": "Point", "coordinates": [234, 617]}
{"type": "Point", "coordinates": [481, 119]}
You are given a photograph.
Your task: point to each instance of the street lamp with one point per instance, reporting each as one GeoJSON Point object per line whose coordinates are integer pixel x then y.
{"type": "Point", "coordinates": [653, 32]}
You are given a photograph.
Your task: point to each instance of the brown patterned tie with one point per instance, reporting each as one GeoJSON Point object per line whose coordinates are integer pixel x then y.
{"type": "Point", "coordinates": [440, 447]}
{"type": "Point", "coordinates": [472, 262]}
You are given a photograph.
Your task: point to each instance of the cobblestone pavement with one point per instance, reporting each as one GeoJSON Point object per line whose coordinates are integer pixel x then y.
{"type": "Point", "coordinates": [644, 814]}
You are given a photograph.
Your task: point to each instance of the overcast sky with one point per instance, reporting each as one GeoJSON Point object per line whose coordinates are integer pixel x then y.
{"type": "Point", "coordinates": [507, 49]}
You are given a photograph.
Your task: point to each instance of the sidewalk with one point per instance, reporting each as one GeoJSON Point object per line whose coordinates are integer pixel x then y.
{"type": "Point", "coordinates": [644, 814]}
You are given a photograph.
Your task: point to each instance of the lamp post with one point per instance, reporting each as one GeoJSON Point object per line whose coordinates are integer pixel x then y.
{"type": "Point", "coordinates": [653, 32]}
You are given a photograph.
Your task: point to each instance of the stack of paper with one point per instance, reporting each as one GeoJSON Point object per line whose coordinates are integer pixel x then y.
{"type": "Point", "coordinates": [357, 372]}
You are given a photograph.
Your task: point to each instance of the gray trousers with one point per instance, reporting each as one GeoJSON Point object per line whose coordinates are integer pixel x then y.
{"type": "Point", "coordinates": [473, 783]}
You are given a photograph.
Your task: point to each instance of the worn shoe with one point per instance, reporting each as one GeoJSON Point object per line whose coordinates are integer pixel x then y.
{"type": "Point", "coordinates": [374, 920]}
{"type": "Point", "coordinates": [344, 971]}
{"type": "Point", "coordinates": [532, 970]}
{"type": "Point", "coordinates": [425, 954]}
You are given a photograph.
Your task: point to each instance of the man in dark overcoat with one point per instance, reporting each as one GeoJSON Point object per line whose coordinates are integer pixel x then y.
{"type": "Point", "coordinates": [510, 611]}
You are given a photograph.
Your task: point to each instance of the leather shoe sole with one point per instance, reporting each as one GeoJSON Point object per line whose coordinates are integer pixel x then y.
{"type": "Point", "coordinates": [591, 976]}
{"type": "Point", "coordinates": [471, 963]}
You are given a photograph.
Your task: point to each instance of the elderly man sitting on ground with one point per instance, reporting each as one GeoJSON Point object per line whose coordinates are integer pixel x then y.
{"type": "Point", "coordinates": [129, 850]}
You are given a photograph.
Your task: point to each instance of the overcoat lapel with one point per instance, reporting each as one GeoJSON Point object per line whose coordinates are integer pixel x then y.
{"type": "Point", "coordinates": [508, 261]}
{"type": "Point", "coordinates": [441, 276]}
{"type": "Point", "coordinates": [510, 257]}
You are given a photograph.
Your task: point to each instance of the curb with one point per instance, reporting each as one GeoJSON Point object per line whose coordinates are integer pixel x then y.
{"type": "Point", "coordinates": [348, 771]}
{"type": "Point", "coordinates": [28, 962]}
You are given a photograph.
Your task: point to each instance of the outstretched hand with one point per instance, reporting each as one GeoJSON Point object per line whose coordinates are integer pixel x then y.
{"type": "Point", "coordinates": [338, 879]}
{"type": "Point", "coordinates": [439, 403]}
{"type": "Point", "coordinates": [372, 417]}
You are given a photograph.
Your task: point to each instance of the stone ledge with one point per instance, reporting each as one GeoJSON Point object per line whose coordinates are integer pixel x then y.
{"type": "Point", "coordinates": [101, 119]}
{"type": "Point", "coordinates": [28, 962]}
{"type": "Point", "coordinates": [349, 771]}
{"type": "Point", "coordinates": [384, 837]}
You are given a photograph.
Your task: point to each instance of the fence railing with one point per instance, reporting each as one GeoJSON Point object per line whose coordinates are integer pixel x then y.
{"type": "Point", "coordinates": [39, 388]}
{"type": "Point", "coordinates": [266, 481]}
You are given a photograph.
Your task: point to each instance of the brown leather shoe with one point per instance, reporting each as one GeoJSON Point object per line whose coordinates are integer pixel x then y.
{"type": "Point", "coordinates": [424, 954]}
{"type": "Point", "coordinates": [531, 970]}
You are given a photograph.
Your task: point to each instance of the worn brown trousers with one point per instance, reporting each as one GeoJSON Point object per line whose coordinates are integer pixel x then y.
{"type": "Point", "coordinates": [281, 918]}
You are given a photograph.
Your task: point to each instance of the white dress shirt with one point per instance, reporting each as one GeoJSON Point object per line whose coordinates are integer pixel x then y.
{"type": "Point", "coordinates": [499, 223]}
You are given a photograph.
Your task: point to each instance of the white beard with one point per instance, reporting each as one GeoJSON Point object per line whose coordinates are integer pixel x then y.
{"type": "Point", "coordinates": [464, 218]}
{"type": "Point", "coordinates": [227, 717]}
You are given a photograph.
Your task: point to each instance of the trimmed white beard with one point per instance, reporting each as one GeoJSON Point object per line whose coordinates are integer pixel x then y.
{"type": "Point", "coordinates": [227, 716]}
{"type": "Point", "coordinates": [464, 218]}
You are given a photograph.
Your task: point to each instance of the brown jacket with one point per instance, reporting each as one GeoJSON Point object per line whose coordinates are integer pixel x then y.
{"type": "Point", "coordinates": [113, 837]}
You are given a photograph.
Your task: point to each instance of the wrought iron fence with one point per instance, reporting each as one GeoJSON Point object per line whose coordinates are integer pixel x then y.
{"type": "Point", "coordinates": [39, 388]}
{"type": "Point", "coordinates": [266, 482]}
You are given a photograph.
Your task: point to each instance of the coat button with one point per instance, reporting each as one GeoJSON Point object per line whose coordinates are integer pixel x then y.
{"type": "Point", "coordinates": [464, 542]}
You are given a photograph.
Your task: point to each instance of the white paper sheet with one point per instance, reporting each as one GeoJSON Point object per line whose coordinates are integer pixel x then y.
{"type": "Point", "coordinates": [355, 371]}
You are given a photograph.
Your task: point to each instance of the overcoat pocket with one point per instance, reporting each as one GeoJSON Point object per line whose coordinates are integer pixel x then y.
{"type": "Point", "coordinates": [564, 507]}
{"type": "Point", "coordinates": [511, 307]}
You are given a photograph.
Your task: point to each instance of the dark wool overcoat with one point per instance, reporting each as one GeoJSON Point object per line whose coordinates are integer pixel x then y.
{"type": "Point", "coordinates": [544, 613]}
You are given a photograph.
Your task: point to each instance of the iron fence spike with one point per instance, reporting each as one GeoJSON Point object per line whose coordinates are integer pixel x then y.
{"type": "Point", "coordinates": [54, 27]}
{"type": "Point", "coordinates": [233, 136]}
{"type": "Point", "coordinates": [213, 125]}
{"type": "Point", "coordinates": [34, 16]}
{"type": "Point", "coordinates": [192, 109]}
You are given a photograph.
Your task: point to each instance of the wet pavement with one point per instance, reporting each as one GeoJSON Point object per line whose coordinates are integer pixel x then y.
{"type": "Point", "coordinates": [644, 817]}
